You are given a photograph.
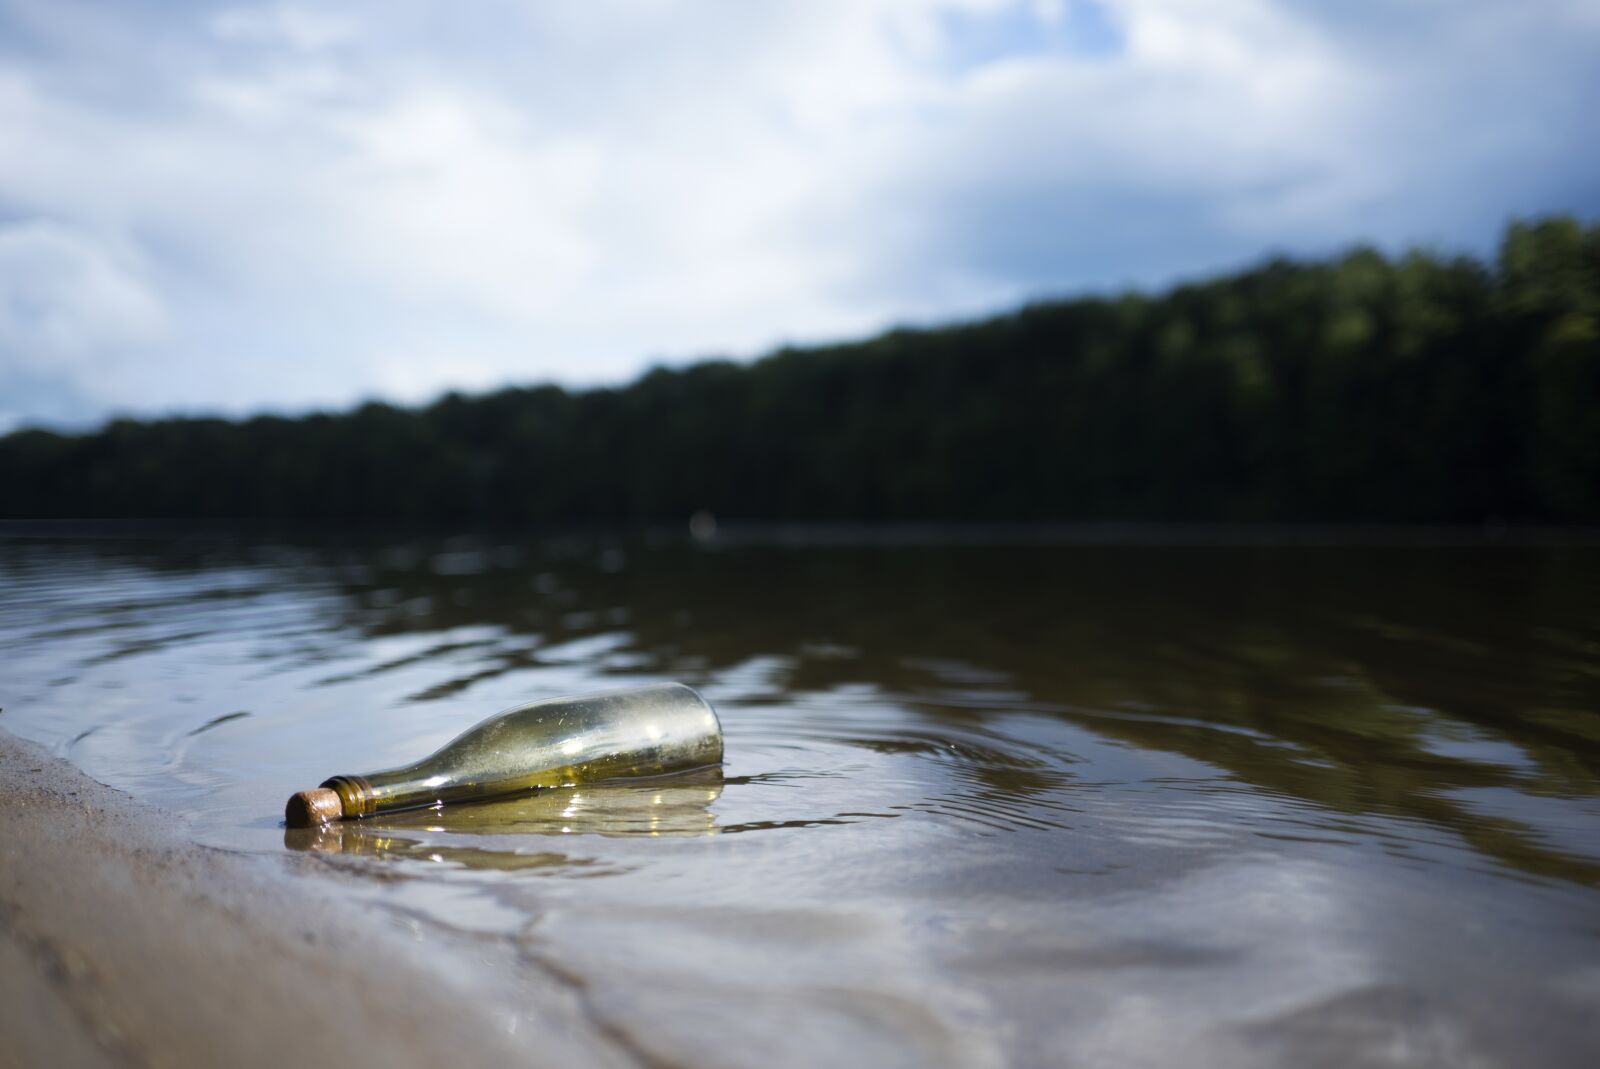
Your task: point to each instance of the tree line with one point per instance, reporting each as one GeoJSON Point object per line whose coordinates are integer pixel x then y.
{"type": "Point", "coordinates": [1422, 388]}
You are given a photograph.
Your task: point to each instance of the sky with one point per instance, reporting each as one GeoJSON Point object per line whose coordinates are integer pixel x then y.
{"type": "Point", "coordinates": [226, 209]}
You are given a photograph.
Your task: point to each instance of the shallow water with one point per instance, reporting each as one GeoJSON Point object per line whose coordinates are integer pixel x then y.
{"type": "Point", "coordinates": [1022, 804]}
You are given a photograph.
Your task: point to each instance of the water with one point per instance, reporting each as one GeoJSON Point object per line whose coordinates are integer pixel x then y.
{"type": "Point", "coordinates": [982, 805]}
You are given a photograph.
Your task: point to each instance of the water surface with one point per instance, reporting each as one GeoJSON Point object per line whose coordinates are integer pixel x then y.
{"type": "Point", "coordinates": [1021, 804]}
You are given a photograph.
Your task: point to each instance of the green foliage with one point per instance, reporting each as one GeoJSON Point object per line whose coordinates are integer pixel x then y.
{"type": "Point", "coordinates": [1361, 389]}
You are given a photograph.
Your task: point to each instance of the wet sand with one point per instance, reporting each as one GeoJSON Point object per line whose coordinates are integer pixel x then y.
{"type": "Point", "coordinates": [123, 945]}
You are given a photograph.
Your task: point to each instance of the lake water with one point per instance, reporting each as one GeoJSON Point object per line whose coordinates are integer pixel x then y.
{"type": "Point", "coordinates": [1011, 804]}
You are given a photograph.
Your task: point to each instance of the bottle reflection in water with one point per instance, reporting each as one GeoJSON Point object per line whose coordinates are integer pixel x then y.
{"type": "Point", "coordinates": [506, 833]}
{"type": "Point", "coordinates": [642, 731]}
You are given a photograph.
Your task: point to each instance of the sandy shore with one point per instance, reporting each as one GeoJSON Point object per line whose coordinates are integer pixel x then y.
{"type": "Point", "coordinates": [122, 945]}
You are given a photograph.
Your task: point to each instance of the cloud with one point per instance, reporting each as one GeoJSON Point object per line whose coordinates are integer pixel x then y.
{"type": "Point", "coordinates": [64, 297]}
{"type": "Point", "coordinates": [272, 206]}
{"type": "Point", "coordinates": [74, 312]}
{"type": "Point", "coordinates": [303, 29]}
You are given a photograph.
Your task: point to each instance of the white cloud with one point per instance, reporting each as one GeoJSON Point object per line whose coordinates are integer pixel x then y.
{"type": "Point", "coordinates": [304, 29]}
{"type": "Point", "coordinates": [67, 301]}
{"type": "Point", "coordinates": [317, 207]}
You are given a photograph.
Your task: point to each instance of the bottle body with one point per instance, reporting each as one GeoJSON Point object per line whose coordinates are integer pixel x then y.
{"type": "Point", "coordinates": [636, 732]}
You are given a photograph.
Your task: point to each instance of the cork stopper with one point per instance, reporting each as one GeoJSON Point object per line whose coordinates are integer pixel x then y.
{"type": "Point", "coordinates": [320, 805]}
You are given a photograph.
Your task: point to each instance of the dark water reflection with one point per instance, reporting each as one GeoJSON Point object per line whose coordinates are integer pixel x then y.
{"type": "Point", "coordinates": [1022, 804]}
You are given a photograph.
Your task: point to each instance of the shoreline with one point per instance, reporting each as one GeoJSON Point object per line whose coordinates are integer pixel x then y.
{"type": "Point", "coordinates": [793, 534]}
{"type": "Point", "coordinates": [123, 945]}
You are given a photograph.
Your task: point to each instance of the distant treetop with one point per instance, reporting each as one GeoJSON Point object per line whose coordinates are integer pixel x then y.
{"type": "Point", "coordinates": [1363, 388]}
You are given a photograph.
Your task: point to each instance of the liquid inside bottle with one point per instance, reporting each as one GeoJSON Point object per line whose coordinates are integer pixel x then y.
{"type": "Point", "coordinates": [655, 730]}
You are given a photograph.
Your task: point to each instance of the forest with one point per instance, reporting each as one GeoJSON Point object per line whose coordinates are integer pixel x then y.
{"type": "Point", "coordinates": [1422, 388]}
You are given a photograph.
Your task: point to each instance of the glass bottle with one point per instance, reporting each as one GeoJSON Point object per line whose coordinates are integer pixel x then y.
{"type": "Point", "coordinates": [639, 731]}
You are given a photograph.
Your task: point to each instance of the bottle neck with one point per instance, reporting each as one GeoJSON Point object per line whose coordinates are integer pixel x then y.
{"type": "Point", "coordinates": [356, 797]}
